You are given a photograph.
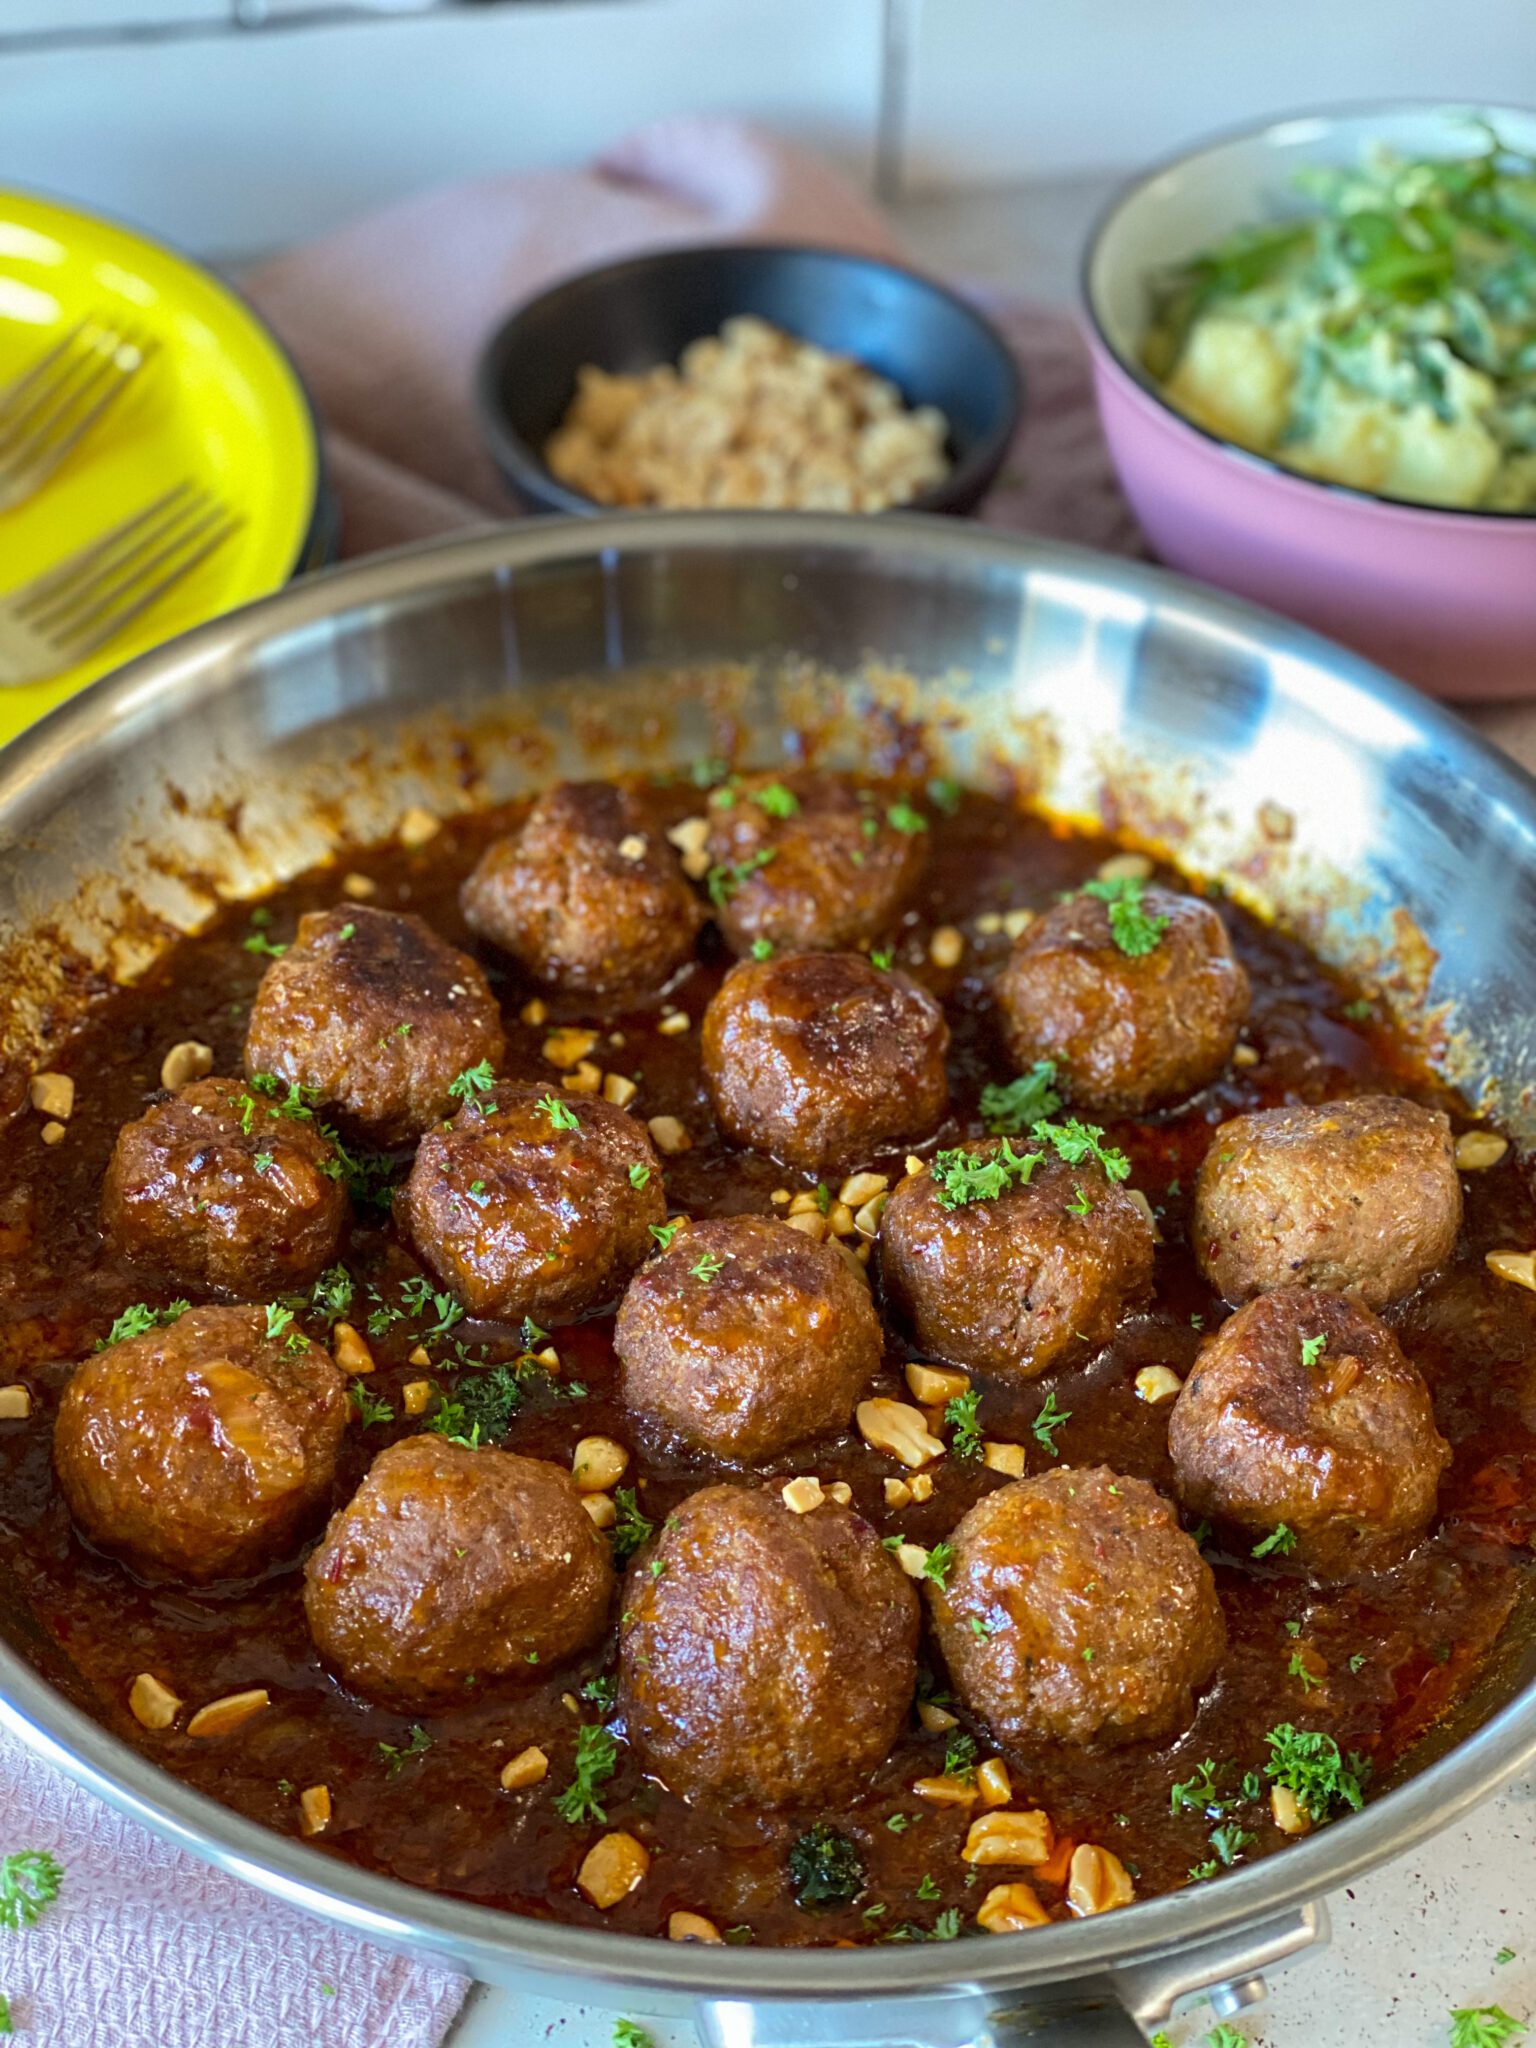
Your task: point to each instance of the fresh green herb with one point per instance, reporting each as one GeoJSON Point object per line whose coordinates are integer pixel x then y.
{"type": "Point", "coordinates": [1088, 1656]}
{"type": "Point", "coordinates": [597, 1758]}
{"type": "Point", "coordinates": [1200, 1535]}
{"type": "Point", "coordinates": [264, 1162]}
{"type": "Point", "coordinates": [1483, 2026]}
{"type": "Point", "coordinates": [964, 1177]}
{"type": "Point", "coordinates": [561, 1115]}
{"type": "Point", "coordinates": [1134, 929]}
{"type": "Point", "coordinates": [1019, 1105]}
{"type": "Point", "coordinates": [136, 1321]}
{"type": "Point", "coordinates": [1356, 1661]}
{"type": "Point", "coordinates": [1253, 1785]}
{"type": "Point", "coordinates": [898, 1823]}
{"type": "Point", "coordinates": [960, 1412]}
{"type": "Point", "coordinates": [630, 2034]}
{"type": "Point", "coordinates": [1199, 1793]}
{"type": "Point", "coordinates": [450, 1420]}
{"type": "Point", "coordinates": [1223, 2036]}
{"type": "Point", "coordinates": [982, 1628]}
{"type": "Point", "coordinates": [937, 1564]}
{"type": "Point", "coordinates": [762, 949]}
{"type": "Point", "coordinates": [1047, 1422]}
{"type": "Point", "coordinates": [370, 1409]}
{"type": "Point", "coordinates": [944, 794]}
{"type": "Point", "coordinates": [1202, 1873]}
{"type": "Point", "coordinates": [475, 1086]}
{"type": "Point", "coordinates": [395, 1756]}
{"type": "Point", "coordinates": [603, 1692]}
{"type": "Point", "coordinates": [489, 1400]}
{"type": "Point", "coordinates": [1075, 1141]}
{"type": "Point", "coordinates": [1280, 1541]}
{"type": "Point", "coordinates": [778, 800]}
{"type": "Point", "coordinates": [631, 1528]}
{"type": "Point", "coordinates": [825, 1868]}
{"type": "Point", "coordinates": [823, 1198]}
{"type": "Point", "coordinates": [258, 942]}
{"type": "Point", "coordinates": [278, 1319]}
{"type": "Point", "coordinates": [1308, 1764]}
{"type": "Point", "coordinates": [726, 877]}
{"type": "Point", "coordinates": [1505, 1955]}
{"type": "Point", "coordinates": [960, 1758]}
{"type": "Point", "coordinates": [929, 1887]}
{"type": "Point", "coordinates": [348, 931]}
{"type": "Point", "coordinates": [902, 818]}
{"type": "Point", "coordinates": [420, 1297]}
{"type": "Point", "coordinates": [29, 1884]}
{"type": "Point", "coordinates": [1293, 1628]}
{"type": "Point", "coordinates": [285, 1098]}
{"type": "Point", "coordinates": [639, 1175]}
{"type": "Point", "coordinates": [947, 1925]}
{"type": "Point", "coordinates": [1299, 1668]}
{"type": "Point", "coordinates": [1312, 1348]}
{"type": "Point", "coordinates": [1080, 1205]}
{"type": "Point", "coordinates": [883, 958]}
{"type": "Point", "coordinates": [1229, 1841]}
{"type": "Point", "coordinates": [1360, 1011]}
{"type": "Point", "coordinates": [664, 1234]}
{"type": "Point", "coordinates": [706, 1266]}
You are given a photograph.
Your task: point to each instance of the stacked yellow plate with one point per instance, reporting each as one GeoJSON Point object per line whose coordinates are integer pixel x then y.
{"type": "Point", "coordinates": [217, 404]}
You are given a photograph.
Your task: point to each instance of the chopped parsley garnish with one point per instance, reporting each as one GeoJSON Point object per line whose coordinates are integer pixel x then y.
{"type": "Point", "coordinates": [778, 800]}
{"type": "Point", "coordinates": [638, 1175]}
{"type": "Point", "coordinates": [395, 1756]}
{"type": "Point", "coordinates": [258, 942]}
{"type": "Point", "coordinates": [1074, 1141]}
{"type": "Point", "coordinates": [1019, 1105]}
{"type": "Point", "coordinates": [135, 1321]}
{"type": "Point", "coordinates": [1047, 1422]}
{"type": "Point", "coordinates": [898, 1823]}
{"type": "Point", "coordinates": [964, 1177]}
{"type": "Point", "coordinates": [476, 1193]}
{"type": "Point", "coordinates": [762, 949]}
{"type": "Point", "coordinates": [1356, 1661]}
{"type": "Point", "coordinates": [982, 1628]}
{"type": "Point", "coordinates": [286, 1098]}
{"type": "Point", "coordinates": [825, 1868]}
{"type": "Point", "coordinates": [823, 1198]}
{"type": "Point", "coordinates": [1229, 1841]}
{"type": "Point", "coordinates": [348, 931]}
{"type": "Point", "coordinates": [29, 1884]}
{"type": "Point", "coordinates": [947, 1926]}
{"type": "Point", "coordinates": [664, 1234]}
{"type": "Point", "coordinates": [936, 1565]}
{"type": "Point", "coordinates": [264, 1162]}
{"type": "Point", "coordinates": [1199, 1793]}
{"type": "Point", "coordinates": [631, 1528]}
{"type": "Point", "coordinates": [473, 1087]}
{"type": "Point", "coordinates": [278, 1319]}
{"type": "Point", "coordinates": [603, 1691]}
{"type": "Point", "coordinates": [1505, 1955]}
{"type": "Point", "coordinates": [419, 1296]}
{"type": "Point", "coordinates": [1080, 1205]}
{"type": "Point", "coordinates": [1312, 1348]}
{"type": "Point", "coordinates": [706, 1266]}
{"type": "Point", "coordinates": [630, 2034]}
{"type": "Point", "coordinates": [370, 1409]}
{"type": "Point", "coordinates": [597, 1758]}
{"type": "Point", "coordinates": [1280, 1541]}
{"type": "Point", "coordinates": [902, 818]}
{"type": "Point", "coordinates": [944, 794]}
{"type": "Point", "coordinates": [561, 1115]}
{"type": "Point", "coordinates": [1223, 2036]}
{"type": "Point", "coordinates": [726, 877]}
{"type": "Point", "coordinates": [1299, 1668]}
{"type": "Point", "coordinates": [882, 958]}
{"type": "Point", "coordinates": [1360, 1011]}
{"type": "Point", "coordinates": [1134, 929]}
{"type": "Point", "coordinates": [929, 1887]}
{"type": "Point", "coordinates": [960, 1758]}
{"type": "Point", "coordinates": [960, 1412]}
{"type": "Point", "coordinates": [1483, 2026]}
{"type": "Point", "coordinates": [1308, 1764]}
{"type": "Point", "coordinates": [489, 1400]}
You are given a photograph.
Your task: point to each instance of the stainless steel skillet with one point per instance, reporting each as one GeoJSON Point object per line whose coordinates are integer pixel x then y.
{"type": "Point", "coordinates": [446, 675]}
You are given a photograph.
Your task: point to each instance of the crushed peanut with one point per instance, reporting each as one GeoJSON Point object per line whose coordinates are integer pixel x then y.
{"type": "Point", "coordinates": [841, 1492]}
{"type": "Point", "coordinates": [565, 1046]}
{"type": "Point", "coordinates": [994, 1783]}
{"type": "Point", "coordinates": [1145, 1208]}
{"type": "Point", "coordinates": [416, 1396]}
{"type": "Point", "coordinates": [619, 1090]}
{"type": "Point", "coordinates": [152, 1704]}
{"type": "Point", "coordinates": [1156, 1384]}
{"type": "Point", "coordinates": [840, 1220]}
{"type": "Point", "coordinates": [1026, 1838]}
{"type": "Point", "coordinates": [350, 1349]}
{"type": "Point", "coordinates": [598, 1464]}
{"type": "Point", "coordinates": [612, 1868]}
{"type": "Point", "coordinates": [585, 1078]}
{"type": "Point", "coordinates": [315, 1809]}
{"type": "Point", "coordinates": [897, 1493]}
{"type": "Point", "coordinates": [922, 1486]}
{"type": "Point", "coordinates": [529, 1767]}
{"type": "Point", "coordinates": [912, 1558]}
{"type": "Point", "coordinates": [691, 840]}
{"type": "Point", "coordinates": [1125, 867]}
{"type": "Point", "coordinates": [600, 1509]}
{"type": "Point", "coordinates": [1010, 1459]}
{"type": "Point", "coordinates": [989, 923]}
{"type": "Point", "coordinates": [860, 1188]}
{"type": "Point", "coordinates": [901, 1431]}
{"type": "Point", "coordinates": [1476, 1150]}
{"type": "Point", "coordinates": [947, 946]}
{"type": "Point", "coordinates": [866, 1219]}
{"type": "Point", "coordinates": [419, 1355]}
{"type": "Point", "coordinates": [15, 1404]}
{"type": "Point", "coordinates": [933, 1385]}
{"type": "Point", "coordinates": [535, 1011]}
{"type": "Point", "coordinates": [52, 1133]}
{"type": "Point", "coordinates": [1010, 1908]}
{"type": "Point", "coordinates": [692, 1927]}
{"type": "Point", "coordinates": [359, 887]}
{"type": "Point", "coordinates": [674, 1023]}
{"type": "Point", "coordinates": [668, 1135]}
{"type": "Point", "coordinates": [914, 1165]}
{"type": "Point", "coordinates": [1517, 1266]}
{"type": "Point", "coordinates": [802, 1496]}
{"type": "Point", "coordinates": [810, 1223]}
{"type": "Point", "coordinates": [1245, 1056]}
{"type": "Point", "coordinates": [188, 1061]}
{"type": "Point", "coordinates": [52, 1095]}
{"type": "Point", "coordinates": [1290, 1816]}
{"type": "Point", "coordinates": [416, 827]}
{"type": "Point", "coordinates": [632, 846]}
{"type": "Point", "coordinates": [1017, 922]}
{"type": "Point", "coordinates": [946, 1791]}
{"type": "Point", "coordinates": [935, 1720]}
{"type": "Point", "coordinates": [781, 1198]}
{"type": "Point", "coordinates": [1097, 1880]}
{"type": "Point", "coordinates": [223, 1716]}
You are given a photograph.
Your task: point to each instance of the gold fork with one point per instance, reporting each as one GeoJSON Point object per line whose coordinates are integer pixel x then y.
{"type": "Point", "coordinates": [50, 408]}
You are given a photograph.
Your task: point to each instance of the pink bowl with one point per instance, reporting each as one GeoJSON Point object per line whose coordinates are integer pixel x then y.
{"type": "Point", "coordinates": [1444, 598]}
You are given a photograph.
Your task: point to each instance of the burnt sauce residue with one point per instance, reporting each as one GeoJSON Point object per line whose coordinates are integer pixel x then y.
{"type": "Point", "coordinates": [1383, 1660]}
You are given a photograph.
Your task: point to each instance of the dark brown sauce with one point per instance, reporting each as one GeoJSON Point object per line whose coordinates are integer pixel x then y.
{"type": "Point", "coordinates": [1394, 1654]}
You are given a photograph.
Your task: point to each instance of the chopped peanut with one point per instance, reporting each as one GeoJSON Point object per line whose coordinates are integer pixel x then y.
{"type": "Point", "coordinates": [350, 1349]}
{"type": "Point", "coordinates": [1098, 1880]}
{"type": "Point", "coordinates": [1517, 1266]}
{"type": "Point", "coordinates": [535, 1011]}
{"type": "Point", "coordinates": [612, 1868]}
{"type": "Point", "coordinates": [416, 827]}
{"type": "Point", "coordinates": [315, 1809]}
{"type": "Point", "coordinates": [809, 1223]}
{"type": "Point", "coordinates": [563, 1048]}
{"type": "Point", "coordinates": [936, 1720]}
{"type": "Point", "coordinates": [223, 1716]}
{"type": "Point", "coordinates": [802, 1496]}
{"type": "Point", "coordinates": [912, 1558]}
{"type": "Point", "coordinates": [990, 923]}
{"type": "Point", "coordinates": [585, 1078]}
{"type": "Point", "coordinates": [600, 1509]}
{"type": "Point", "coordinates": [1125, 867]}
{"type": "Point", "coordinates": [1156, 1384]}
{"type": "Point", "coordinates": [619, 1090]}
{"type": "Point", "coordinates": [866, 1218]}
{"type": "Point", "coordinates": [599, 1463]}
{"type": "Point", "coordinates": [15, 1403]}
{"type": "Point", "coordinates": [933, 1385]}
{"type": "Point", "coordinates": [840, 1220]}
{"type": "Point", "coordinates": [52, 1132]}
{"type": "Point", "coordinates": [359, 887]}
{"type": "Point", "coordinates": [841, 1492]}
{"type": "Point", "coordinates": [152, 1704]}
{"type": "Point", "coordinates": [668, 1135]}
{"type": "Point", "coordinates": [549, 1357]}
{"type": "Point", "coordinates": [994, 1782]}
{"type": "Point", "coordinates": [1290, 1816]}
{"type": "Point", "coordinates": [1009, 1838]}
{"type": "Point", "coordinates": [947, 946]}
{"type": "Point", "coordinates": [1017, 922]}
{"type": "Point", "coordinates": [1007, 1458]}
{"type": "Point", "coordinates": [52, 1095]}
{"type": "Point", "coordinates": [914, 1165]}
{"type": "Point", "coordinates": [419, 1355]}
{"type": "Point", "coordinates": [690, 837]}
{"type": "Point", "coordinates": [897, 1493]}
{"type": "Point", "coordinates": [893, 1427]}
{"type": "Point", "coordinates": [1010, 1908]}
{"type": "Point", "coordinates": [946, 1791]}
{"type": "Point", "coordinates": [1476, 1150]}
{"type": "Point", "coordinates": [922, 1486]}
{"type": "Point", "coordinates": [1244, 1056]}
{"type": "Point", "coordinates": [529, 1767]}
{"type": "Point", "coordinates": [860, 1188]}
{"type": "Point", "coordinates": [692, 1927]}
{"type": "Point", "coordinates": [632, 846]}
{"type": "Point", "coordinates": [804, 1203]}
{"type": "Point", "coordinates": [781, 1197]}
{"type": "Point", "coordinates": [416, 1396]}
{"type": "Point", "coordinates": [188, 1061]}
{"type": "Point", "coordinates": [1145, 1207]}
{"type": "Point", "coordinates": [674, 1023]}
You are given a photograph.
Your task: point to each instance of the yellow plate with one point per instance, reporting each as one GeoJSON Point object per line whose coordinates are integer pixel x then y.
{"type": "Point", "coordinates": [217, 403]}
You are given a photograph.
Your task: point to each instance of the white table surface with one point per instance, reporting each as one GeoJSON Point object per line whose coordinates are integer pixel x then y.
{"type": "Point", "coordinates": [1414, 1939]}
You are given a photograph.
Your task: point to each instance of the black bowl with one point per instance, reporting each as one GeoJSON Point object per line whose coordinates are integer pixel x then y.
{"type": "Point", "coordinates": [630, 316]}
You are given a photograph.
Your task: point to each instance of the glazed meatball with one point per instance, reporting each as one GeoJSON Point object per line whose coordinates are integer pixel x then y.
{"type": "Point", "coordinates": [1077, 1611]}
{"type": "Point", "coordinates": [809, 862]}
{"type": "Point", "coordinates": [824, 1060]}
{"type": "Point", "coordinates": [201, 1450]}
{"type": "Point", "coordinates": [1128, 1032]}
{"type": "Point", "coordinates": [745, 1337]}
{"type": "Point", "coordinates": [532, 1203]}
{"type": "Point", "coordinates": [586, 895]}
{"type": "Point", "coordinates": [216, 1187]}
{"type": "Point", "coordinates": [449, 1567]}
{"type": "Point", "coordinates": [377, 1016]}
{"type": "Point", "coordinates": [767, 1657]}
{"type": "Point", "coordinates": [1021, 1283]}
{"type": "Point", "coordinates": [1360, 1195]}
{"type": "Point", "coordinates": [1303, 1410]}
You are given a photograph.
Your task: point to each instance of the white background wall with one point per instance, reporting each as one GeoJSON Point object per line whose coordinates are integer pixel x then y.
{"type": "Point", "coordinates": [234, 125]}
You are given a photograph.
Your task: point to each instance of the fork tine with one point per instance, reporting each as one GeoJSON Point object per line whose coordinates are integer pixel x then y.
{"type": "Point", "coordinates": [18, 387]}
{"type": "Point", "coordinates": [36, 433]}
{"type": "Point", "coordinates": [54, 390]}
{"type": "Point", "coordinates": [66, 609]}
{"type": "Point", "coordinates": [177, 573]}
{"type": "Point", "coordinates": [26, 599]}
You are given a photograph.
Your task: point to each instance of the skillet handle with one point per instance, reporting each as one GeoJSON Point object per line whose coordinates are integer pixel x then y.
{"type": "Point", "coordinates": [1088, 2014]}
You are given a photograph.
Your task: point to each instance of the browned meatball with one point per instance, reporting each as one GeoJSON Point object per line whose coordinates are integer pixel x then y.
{"type": "Point", "coordinates": [216, 1187]}
{"type": "Point", "coordinates": [586, 895]}
{"type": "Point", "coordinates": [746, 1337]}
{"type": "Point", "coordinates": [1019, 1283]}
{"type": "Point", "coordinates": [376, 1015]}
{"type": "Point", "coordinates": [1360, 1195]}
{"type": "Point", "coordinates": [824, 1060]}
{"type": "Point", "coordinates": [450, 1567]}
{"type": "Point", "coordinates": [1077, 1610]}
{"type": "Point", "coordinates": [767, 1657]}
{"type": "Point", "coordinates": [1302, 1410]}
{"type": "Point", "coordinates": [532, 1203]}
{"type": "Point", "coordinates": [199, 1451]}
{"type": "Point", "coordinates": [1128, 1031]}
{"type": "Point", "coordinates": [811, 862]}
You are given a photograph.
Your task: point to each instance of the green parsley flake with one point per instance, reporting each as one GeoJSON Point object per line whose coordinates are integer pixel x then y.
{"type": "Point", "coordinates": [778, 800]}
{"type": "Point", "coordinates": [902, 818]}
{"type": "Point", "coordinates": [597, 1758]}
{"type": "Point", "coordinates": [762, 949]}
{"type": "Point", "coordinates": [1280, 1541]}
{"type": "Point", "coordinates": [278, 1319]}
{"type": "Point", "coordinates": [561, 1115]}
{"type": "Point", "coordinates": [1309, 1765]}
{"type": "Point", "coordinates": [937, 1564]}
{"type": "Point", "coordinates": [1134, 930]}
{"type": "Point", "coordinates": [706, 1266]}
{"type": "Point", "coordinates": [1047, 1422]}
{"type": "Point", "coordinates": [395, 1756]}
{"type": "Point", "coordinates": [258, 942]}
{"type": "Point", "coordinates": [980, 1176]}
{"type": "Point", "coordinates": [639, 1175]}
{"type": "Point", "coordinates": [1074, 1141]}
{"type": "Point", "coordinates": [1299, 1668]}
{"type": "Point", "coordinates": [630, 1528]}
{"type": "Point", "coordinates": [473, 1087]}
{"type": "Point", "coordinates": [883, 959]}
{"type": "Point", "coordinates": [370, 1409]}
{"type": "Point", "coordinates": [136, 1321]}
{"type": "Point", "coordinates": [960, 1758]}
{"type": "Point", "coordinates": [1312, 1348]}
{"type": "Point", "coordinates": [1019, 1105]}
{"type": "Point", "coordinates": [1483, 2026]}
{"type": "Point", "coordinates": [630, 2034]}
{"type": "Point", "coordinates": [960, 1412]}
{"type": "Point", "coordinates": [664, 1234]}
{"type": "Point", "coordinates": [29, 1884]}
{"type": "Point", "coordinates": [726, 877]}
